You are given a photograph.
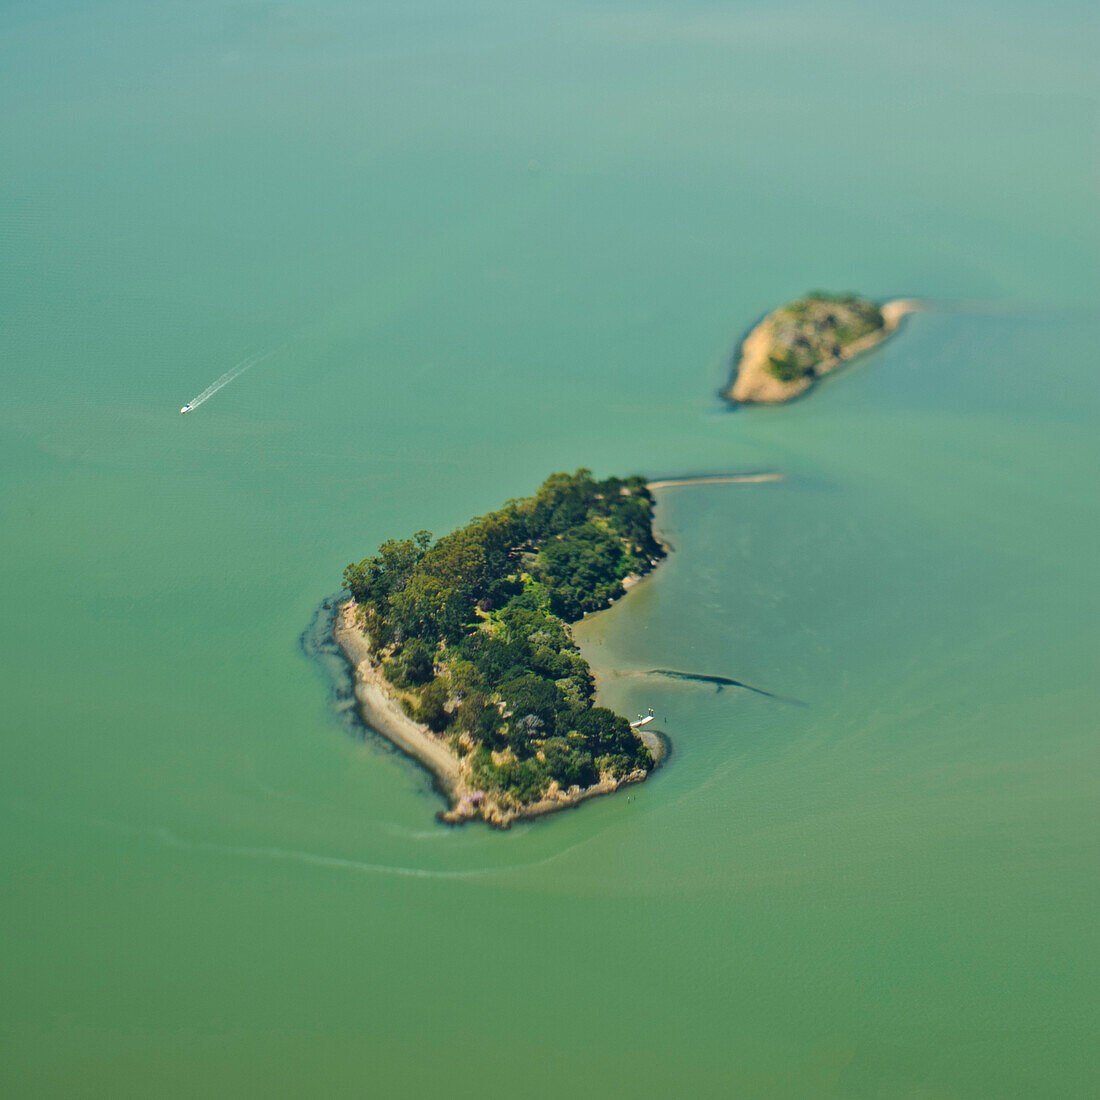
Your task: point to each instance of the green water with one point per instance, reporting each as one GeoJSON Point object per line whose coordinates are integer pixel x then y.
{"type": "Point", "coordinates": [484, 242]}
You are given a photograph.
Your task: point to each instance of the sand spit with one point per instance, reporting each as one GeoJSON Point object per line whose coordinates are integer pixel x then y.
{"type": "Point", "coordinates": [755, 383]}
{"type": "Point", "coordinates": [731, 479]}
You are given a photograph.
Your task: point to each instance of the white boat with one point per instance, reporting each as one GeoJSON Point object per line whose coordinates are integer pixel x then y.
{"type": "Point", "coordinates": [185, 409]}
{"type": "Point", "coordinates": [642, 720]}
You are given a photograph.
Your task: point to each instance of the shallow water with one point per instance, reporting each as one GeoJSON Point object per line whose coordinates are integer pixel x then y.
{"type": "Point", "coordinates": [483, 245]}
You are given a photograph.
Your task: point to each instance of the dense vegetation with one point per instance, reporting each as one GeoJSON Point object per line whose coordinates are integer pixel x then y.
{"type": "Point", "coordinates": [473, 631]}
{"type": "Point", "coordinates": [809, 330]}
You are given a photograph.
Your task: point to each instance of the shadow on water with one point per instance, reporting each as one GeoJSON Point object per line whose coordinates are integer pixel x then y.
{"type": "Point", "coordinates": [316, 643]}
{"type": "Point", "coordinates": [721, 682]}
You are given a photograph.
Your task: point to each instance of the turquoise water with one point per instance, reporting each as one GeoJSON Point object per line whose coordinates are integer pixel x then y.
{"type": "Point", "coordinates": [483, 243]}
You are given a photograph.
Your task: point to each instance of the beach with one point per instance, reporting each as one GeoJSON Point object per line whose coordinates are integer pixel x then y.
{"type": "Point", "coordinates": [383, 713]}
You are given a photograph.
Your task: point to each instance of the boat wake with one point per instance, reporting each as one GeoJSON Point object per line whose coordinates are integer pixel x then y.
{"type": "Point", "coordinates": [167, 837]}
{"type": "Point", "coordinates": [221, 383]}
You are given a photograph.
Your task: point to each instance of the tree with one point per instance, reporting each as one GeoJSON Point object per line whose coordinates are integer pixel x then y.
{"type": "Point", "coordinates": [416, 662]}
{"type": "Point", "coordinates": [374, 580]}
{"type": "Point", "coordinates": [607, 733]}
{"type": "Point", "coordinates": [468, 715]}
{"type": "Point", "coordinates": [569, 766]}
{"type": "Point", "coordinates": [562, 502]}
{"type": "Point", "coordinates": [583, 570]}
{"type": "Point", "coordinates": [427, 608]}
{"type": "Point", "coordinates": [532, 695]}
{"type": "Point", "coordinates": [431, 710]}
{"type": "Point", "coordinates": [489, 725]}
{"type": "Point", "coordinates": [494, 657]}
{"type": "Point", "coordinates": [466, 679]}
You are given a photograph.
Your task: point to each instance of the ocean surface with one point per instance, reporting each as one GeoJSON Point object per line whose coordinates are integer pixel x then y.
{"type": "Point", "coordinates": [480, 242]}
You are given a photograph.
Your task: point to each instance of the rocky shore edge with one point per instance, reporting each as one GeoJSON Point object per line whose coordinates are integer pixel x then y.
{"type": "Point", "coordinates": [753, 382]}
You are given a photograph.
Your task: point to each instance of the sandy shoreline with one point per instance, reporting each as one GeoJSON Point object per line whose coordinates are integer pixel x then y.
{"type": "Point", "coordinates": [382, 712]}
{"type": "Point", "coordinates": [755, 383]}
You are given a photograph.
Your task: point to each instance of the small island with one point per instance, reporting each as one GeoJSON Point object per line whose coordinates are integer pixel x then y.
{"type": "Point", "coordinates": [796, 344]}
{"type": "Point", "coordinates": [464, 659]}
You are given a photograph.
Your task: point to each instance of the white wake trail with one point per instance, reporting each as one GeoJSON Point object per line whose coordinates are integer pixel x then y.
{"type": "Point", "coordinates": [229, 376]}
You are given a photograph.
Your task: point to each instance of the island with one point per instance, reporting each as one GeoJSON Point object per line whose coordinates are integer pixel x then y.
{"type": "Point", "coordinates": [464, 659]}
{"type": "Point", "coordinates": [796, 344]}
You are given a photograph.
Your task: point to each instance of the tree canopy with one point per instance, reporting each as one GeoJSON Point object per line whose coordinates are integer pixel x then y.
{"type": "Point", "coordinates": [474, 629]}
